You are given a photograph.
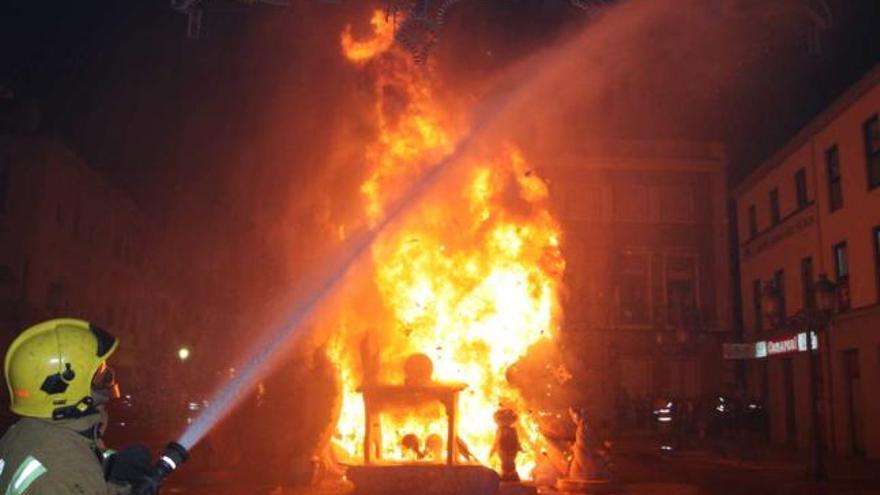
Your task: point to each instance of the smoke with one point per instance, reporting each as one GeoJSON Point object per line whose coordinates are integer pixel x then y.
{"type": "Point", "coordinates": [650, 70]}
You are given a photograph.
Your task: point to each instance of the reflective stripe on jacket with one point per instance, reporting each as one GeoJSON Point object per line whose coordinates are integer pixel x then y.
{"type": "Point", "coordinates": [27, 472]}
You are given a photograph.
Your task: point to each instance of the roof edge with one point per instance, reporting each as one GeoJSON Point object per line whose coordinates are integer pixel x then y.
{"type": "Point", "coordinates": [840, 104]}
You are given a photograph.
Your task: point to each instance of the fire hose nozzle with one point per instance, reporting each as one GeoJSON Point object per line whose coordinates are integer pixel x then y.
{"type": "Point", "coordinates": [172, 457]}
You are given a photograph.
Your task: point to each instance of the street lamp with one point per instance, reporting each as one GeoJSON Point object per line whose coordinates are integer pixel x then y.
{"type": "Point", "coordinates": [815, 318]}
{"type": "Point", "coordinates": [183, 353]}
{"type": "Point", "coordinates": [826, 294]}
{"type": "Point", "coordinates": [771, 303]}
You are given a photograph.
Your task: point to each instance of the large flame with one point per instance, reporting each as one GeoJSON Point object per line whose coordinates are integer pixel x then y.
{"type": "Point", "coordinates": [472, 278]}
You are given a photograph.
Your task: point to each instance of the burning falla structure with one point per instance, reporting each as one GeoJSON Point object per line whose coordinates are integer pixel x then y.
{"type": "Point", "coordinates": [469, 281]}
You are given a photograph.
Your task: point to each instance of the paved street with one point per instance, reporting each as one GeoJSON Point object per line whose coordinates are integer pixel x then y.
{"type": "Point", "coordinates": [642, 470]}
{"type": "Point", "coordinates": [703, 471]}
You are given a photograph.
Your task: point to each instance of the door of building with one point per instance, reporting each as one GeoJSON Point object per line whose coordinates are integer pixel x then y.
{"type": "Point", "coordinates": [765, 396]}
{"type": "Point", "coordinates": [788, 393]}
{"type": "Point", "coordinates": [854, 400]}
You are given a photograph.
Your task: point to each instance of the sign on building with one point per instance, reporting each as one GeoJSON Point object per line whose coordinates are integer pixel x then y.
{"type": "Point", "coordinates": [774, 347]}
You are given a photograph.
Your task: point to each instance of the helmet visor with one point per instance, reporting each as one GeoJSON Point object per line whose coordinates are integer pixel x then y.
{"type": "Point", "coordinates": [106, 342]}
{"type": "Point", "coordinates": [105, 381]}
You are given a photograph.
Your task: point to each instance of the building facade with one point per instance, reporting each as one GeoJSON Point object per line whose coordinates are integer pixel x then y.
{"type": "Point", "coordinates": [648, 281]}
{"type": "Point", "coordinates": [814, 208]}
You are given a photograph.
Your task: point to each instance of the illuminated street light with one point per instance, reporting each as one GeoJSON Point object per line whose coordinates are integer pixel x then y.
{"type": "Point", "coordinates": [183, 353]}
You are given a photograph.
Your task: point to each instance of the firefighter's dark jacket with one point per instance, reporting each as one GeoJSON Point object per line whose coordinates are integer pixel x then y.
{"type": "Point", "coordinates": [54, 457]}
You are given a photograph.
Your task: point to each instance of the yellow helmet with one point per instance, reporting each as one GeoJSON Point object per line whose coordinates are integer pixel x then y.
{"type": "Point", "coordinates": [49, 368]}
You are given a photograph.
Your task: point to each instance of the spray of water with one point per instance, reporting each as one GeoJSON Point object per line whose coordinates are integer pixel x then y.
{"type": "Point", "coordinates": [543, 72]}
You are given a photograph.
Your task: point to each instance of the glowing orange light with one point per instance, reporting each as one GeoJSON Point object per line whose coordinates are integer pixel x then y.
{"type": "Point", "coordinates": [361, 51]}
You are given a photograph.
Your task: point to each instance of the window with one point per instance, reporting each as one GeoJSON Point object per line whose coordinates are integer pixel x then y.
{"type": "Point", "coordinates": [841, 268]}
{"type": "Point", "coordinates": [841, 271]}
{"type": "Point", "coordinates": [57, 298]}
{"type": "Point", "coordinates": [807, 282]}
{"type": "Point", "coordinates": [756, 302]}
{"type": "Point", "coordinates": [681, 291]}
{"type": "Point", "coordinates": [851, 363]}
{"type": "Point", "coordinates": [8, 288]}
{"type": "Point", "coordinates": [635, 303]}
{"type": "Point", "coordinates": [779, 283]}
{"type": "Point", "coordinates": [800, 187]}
{"type": "Point", "coordinates": [877, 258]}
{"type": "Point", "coordinates": [872, 150]}
{"type": "Point", "coordinates": [753, 221]}
{"type": "Point", "coordinates": [586, 203]}
{"type": "Point", "coordinates": [677, 203]}
{"type": "Point", "coordinates": [631, 202]}
{"type": "Point", "coordinates": [835, 187]}
{"type": "Point", "coordinates": [774, 206]}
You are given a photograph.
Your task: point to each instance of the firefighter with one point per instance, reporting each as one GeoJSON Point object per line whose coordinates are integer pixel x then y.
{"type": "Point", "coordinates": [665, 412]}
{"type": "Point", "coordinates": [59, 383]}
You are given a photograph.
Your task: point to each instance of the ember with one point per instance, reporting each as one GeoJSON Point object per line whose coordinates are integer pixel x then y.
{"type": "Point", "coordinates": [470, 281]}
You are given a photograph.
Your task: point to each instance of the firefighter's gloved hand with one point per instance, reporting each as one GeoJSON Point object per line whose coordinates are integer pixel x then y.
{"type": "Point", "coordinates": [131, 466]}
{"type": "Point", "coordinates": [150, 486]}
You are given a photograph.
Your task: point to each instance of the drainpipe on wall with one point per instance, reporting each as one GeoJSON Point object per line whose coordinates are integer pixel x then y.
{"type": "Point", "coordinates": [736, 293]}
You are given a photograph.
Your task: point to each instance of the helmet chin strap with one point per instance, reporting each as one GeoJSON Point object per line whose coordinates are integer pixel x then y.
{"type": "Point", "coordinates": [86, 406]}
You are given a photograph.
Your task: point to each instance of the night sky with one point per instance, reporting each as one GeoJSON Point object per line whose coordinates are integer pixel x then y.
{"type": "Point", "coordinates": [124, 87]}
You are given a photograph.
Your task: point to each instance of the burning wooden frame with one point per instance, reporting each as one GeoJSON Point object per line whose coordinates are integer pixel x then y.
{"type": "Point", "coordinates": [379, 397]}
